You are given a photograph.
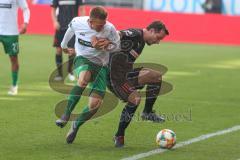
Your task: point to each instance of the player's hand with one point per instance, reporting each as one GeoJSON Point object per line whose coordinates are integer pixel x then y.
{"type": "Point", "coordinates": [23, 28]}
{"type": "Point", "coordinates": [56, 25]}
{"type": "Point", "coordinates": [100, 43]}
{"type": "Point", "coordinates": [69, 51]}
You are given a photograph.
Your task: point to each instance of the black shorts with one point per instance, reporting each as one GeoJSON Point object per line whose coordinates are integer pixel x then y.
{"type": "Point", "coordinates": [124, 89]}
{"type": "Point", "coordinates": [58, 37]}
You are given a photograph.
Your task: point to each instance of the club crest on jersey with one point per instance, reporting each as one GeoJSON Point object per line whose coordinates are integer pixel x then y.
{"type": "Point", "coordinates": [129, 33]}
{"type": "Point", "coordinates": [82, 34]}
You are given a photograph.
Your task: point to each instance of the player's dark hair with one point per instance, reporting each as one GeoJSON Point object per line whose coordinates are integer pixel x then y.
{"type": "Point", "coordinates": [98, 13]}
{"type": "Point", "coordinates": [158, 26]}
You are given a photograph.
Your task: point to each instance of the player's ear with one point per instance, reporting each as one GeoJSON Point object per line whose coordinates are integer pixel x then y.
{"type": "Point", "coordinates": [152, 31]}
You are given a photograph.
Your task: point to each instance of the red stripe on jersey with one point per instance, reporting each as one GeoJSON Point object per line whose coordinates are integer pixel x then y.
{"type": "Point", "coordinates": [134, 53]}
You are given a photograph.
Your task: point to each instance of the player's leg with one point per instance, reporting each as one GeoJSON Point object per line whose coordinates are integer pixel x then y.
{"type": "Point", "coordinates": [133, 99]}
{"type": "Point", "coordinates": [83, 69]}
{"type": "Point", "coordinates": [11, 48]}
{"type": "Point", "coordinates": [74, 97]}
{"type": "Point", "coordinates": [127, 114]}
{"type": "Point", "coordinates": [71, 76]}
{"type": "Point", "coordinates": [98, 88]}
{"type": "Point", "coordinates": [15, 68]}
{"type": "Point", "coordinates": [58, 55]}
{"type": "Point", "coordinates": [95, 101]}
{"type": "Point", "coordinates": [153, 80]}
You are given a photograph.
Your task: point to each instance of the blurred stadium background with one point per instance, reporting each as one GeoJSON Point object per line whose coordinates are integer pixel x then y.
{"type": "Point", "coordinates": [186, 19]}
{"type": "Point", "coordinates": [202, 55]}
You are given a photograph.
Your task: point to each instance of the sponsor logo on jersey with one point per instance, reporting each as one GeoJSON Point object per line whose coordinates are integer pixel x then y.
{"type": "Point", "coordinates": [4, 5]}
{"type": "Point", "coordinates": [85, 43]}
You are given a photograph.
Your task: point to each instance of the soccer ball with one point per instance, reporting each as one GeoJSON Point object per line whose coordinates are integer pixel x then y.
{"type": "Point", "coordinates": [166, 139]}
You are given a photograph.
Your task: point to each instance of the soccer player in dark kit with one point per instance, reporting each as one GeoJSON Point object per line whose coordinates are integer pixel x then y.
{"type": "Point", "coordinates": [63, 11]}
{"type": "Point", "coordinates": [124, 80]}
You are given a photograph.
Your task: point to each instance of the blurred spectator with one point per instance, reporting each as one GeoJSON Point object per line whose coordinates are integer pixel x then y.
{"type": "Point", "coordinates": [63, 11]}
{"type": "Point", "coordinates": [212, 6]}
{"type": "Point", "coordinates": [41, 1]}
{"type": "Point", "coordinates": [9, 34]}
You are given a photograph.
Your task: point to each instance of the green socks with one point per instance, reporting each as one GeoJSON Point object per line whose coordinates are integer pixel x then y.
{"type": "Point", "coordinates": [14, 78]}
{"type": "Point", "coordinates": [73, 99]}
{"type": "Point", "coordinates": [84, 116]}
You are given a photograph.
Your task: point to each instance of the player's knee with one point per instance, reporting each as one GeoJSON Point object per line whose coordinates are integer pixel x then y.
{"type": "Point", "coordinates": [82, 83]}
{"type": "Point", "coordinates": [136, 99]}
{"type": "Point", "coordinates": [15, 65]}
{"type": "Point", "coordinates": [95, 103]}
{"type": "Point", "coordinates": [156, 76]}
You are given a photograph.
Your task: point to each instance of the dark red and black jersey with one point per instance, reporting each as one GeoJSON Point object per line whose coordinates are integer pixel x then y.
{"type": "Point", "coordinates": [66, 11]}
{"type": "Point", "coordinates": [132, 43]}
{"type": "Point", "coordinates": [121, 62]}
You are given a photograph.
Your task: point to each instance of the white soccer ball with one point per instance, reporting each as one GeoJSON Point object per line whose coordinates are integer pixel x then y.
{"type": "Point", "coordinates": [166, 139]}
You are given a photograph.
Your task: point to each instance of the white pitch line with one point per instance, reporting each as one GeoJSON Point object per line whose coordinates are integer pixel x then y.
{"type": "Point", "coordinates": [182, 144]}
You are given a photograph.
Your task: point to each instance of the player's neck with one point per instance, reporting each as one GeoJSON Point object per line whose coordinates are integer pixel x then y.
{"type": "Point", "coordinates": [145, 34]}
{"type": "Point", "coordinates": [89, 24]}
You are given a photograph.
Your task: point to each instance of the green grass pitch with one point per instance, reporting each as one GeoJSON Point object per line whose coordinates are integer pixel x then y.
{"type": "Point", "coordinates": [205, 99]}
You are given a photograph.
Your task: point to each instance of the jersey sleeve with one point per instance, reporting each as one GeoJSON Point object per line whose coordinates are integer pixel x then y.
{"type": "Point", "coordinates": [114, 38]}
{"type": "Point", "coordinates": [54, 3]}
{"type": "Point", "coordinates": [68, 35]}
{"type": "Point", "coordinates": [73, 24]}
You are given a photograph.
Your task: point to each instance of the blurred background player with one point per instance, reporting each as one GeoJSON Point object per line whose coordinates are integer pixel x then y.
{"type": "Point", "coordinates": [212, 6]}
{"type": "Point", "coordinates": [93, 34]}
{"type": "Point", "coordinates": [125, 80]}
{"type": "Point", "coordinates": [63, 11]}
{"type": "Point", "coordinates": [9, 34]}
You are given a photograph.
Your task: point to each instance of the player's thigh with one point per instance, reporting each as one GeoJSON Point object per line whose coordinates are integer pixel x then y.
{"type": "Point", "coordinates": [14, 59]}
{"type": "Point", "coordinates": [84, 78]}
{"type": "Point", "coordinates": [132, 78]}
{"type": "Point", "coordinates": [10, 44]}
{"type": "Point", "coordinates": [147, 75]}
{"type": "Point", "coordinates": [1, 41]}
{"type": "Point", "coordinates": [99, 81]}
{"type": "Point", "coordinates": [83, 70]}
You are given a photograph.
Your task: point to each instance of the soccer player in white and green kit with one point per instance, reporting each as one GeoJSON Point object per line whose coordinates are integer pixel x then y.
{"type": "Point", "coordinates": [9, 34]}
{"type": "Point", "coordinates": [93, 35]}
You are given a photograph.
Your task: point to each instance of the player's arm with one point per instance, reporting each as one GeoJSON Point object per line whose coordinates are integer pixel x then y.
{"type": "Point", "coordinates": [26, 15]}
{"type": "Point", "coordinates": [54, 19]}
{"type": "Point", "coordinates": [114, 38]}
{"type": "Point", "coordinates": [67, 37]}
{"type": "Point", "coordinates": [99, 43]}
{"type": "Point", "coordinates": [54, 6]}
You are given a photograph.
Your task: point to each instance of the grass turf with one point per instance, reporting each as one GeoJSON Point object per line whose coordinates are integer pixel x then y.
{"type": "Point", "coordinates": [204, 99]}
